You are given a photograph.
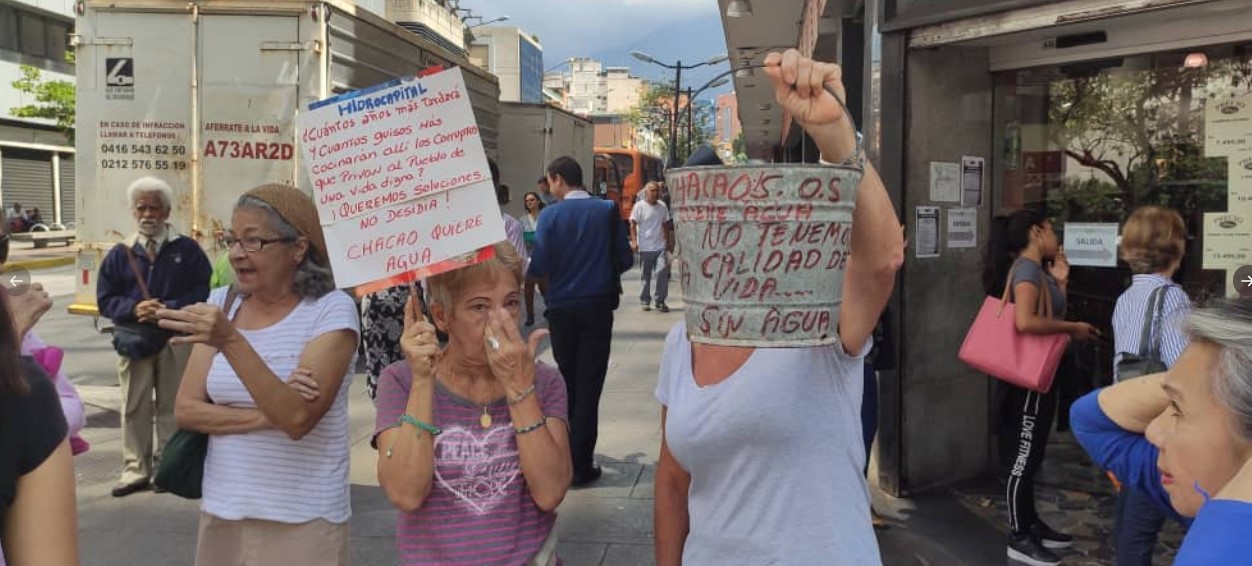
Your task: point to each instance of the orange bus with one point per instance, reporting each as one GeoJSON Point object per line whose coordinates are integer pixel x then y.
{"type": "Point", "coordinates": [636, 169]}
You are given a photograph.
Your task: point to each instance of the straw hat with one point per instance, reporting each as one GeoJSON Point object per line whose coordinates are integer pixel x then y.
{"type": "Point", "coordinates": [297, 208]}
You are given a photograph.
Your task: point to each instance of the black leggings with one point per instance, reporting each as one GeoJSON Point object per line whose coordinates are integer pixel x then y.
{"type": "Point", "coordinates": [1030, 416]}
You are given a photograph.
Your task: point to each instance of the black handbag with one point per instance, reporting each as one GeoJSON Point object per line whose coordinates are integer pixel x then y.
{"type": "Point", "coordinates": [181, 471]}
{"type": "Point", "coordinates": [138, 340]}
{"type": "Point", "coordinates": [1148, 360]}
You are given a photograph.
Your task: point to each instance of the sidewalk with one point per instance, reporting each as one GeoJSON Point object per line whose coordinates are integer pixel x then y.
{"type": "Point", "coordinates": [608, 523]}
{"type": "Point", "coordinates": [23, 255]}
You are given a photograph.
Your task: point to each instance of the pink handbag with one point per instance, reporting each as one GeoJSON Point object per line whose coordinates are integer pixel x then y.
{"type": "Point", "coordinates": [995, 347]}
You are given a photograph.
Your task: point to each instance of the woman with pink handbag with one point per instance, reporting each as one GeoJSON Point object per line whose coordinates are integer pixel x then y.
{"type": "Point", "coordinates": [1021, 245]}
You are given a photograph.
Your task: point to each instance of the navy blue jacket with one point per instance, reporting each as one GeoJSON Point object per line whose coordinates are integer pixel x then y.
{"type": "Point", "coordinates": [582, 248]}
{"type": "Point", "coordinates": [179, 277]}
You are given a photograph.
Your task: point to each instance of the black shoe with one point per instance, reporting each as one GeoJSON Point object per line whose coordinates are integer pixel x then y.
{"type": "Point", "coordinates": [645, 306]}
{"type": "Point", "coordinates": [662, 307]}
{"type": "Point", "coordinates": [124, 489]}
{"type": "Point", "coordinates": [587, 476]}
{"type": "Point", "coordinates": [1024, 549]}
{"type": "Point", "coordinates": [1049, 538]}
{"type": "Point", "coordinates": [157, 489]}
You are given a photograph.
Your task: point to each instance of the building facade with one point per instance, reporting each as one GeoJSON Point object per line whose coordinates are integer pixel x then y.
{"type": "Point", "coordinates": [1083, 109]}
{"type": "Point", "coordinates": [435, 20]}
{"type": "Point", "coordinates": [727, 127]}
{"type": "Point", "coordinates": [36, 159]}
{"type": "Point", "coordinates": [515, 57]}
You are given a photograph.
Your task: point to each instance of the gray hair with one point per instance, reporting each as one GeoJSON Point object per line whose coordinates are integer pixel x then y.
{"type": "Point", "coordinates": [151, 185]}
{"type": "Point", "coordinates": [312, 280]}
{"type": "Point", "coordinates": [1227, 324]}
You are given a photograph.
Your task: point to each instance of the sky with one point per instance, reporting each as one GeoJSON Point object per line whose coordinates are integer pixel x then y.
{"type": "Point", "coordinates": [669, 30]}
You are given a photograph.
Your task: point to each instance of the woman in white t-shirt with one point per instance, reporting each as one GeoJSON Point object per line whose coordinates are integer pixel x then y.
{"type": "Point", "coordinates": [276, 476]}
{"type": "Point", "coordinates": [761, 451]}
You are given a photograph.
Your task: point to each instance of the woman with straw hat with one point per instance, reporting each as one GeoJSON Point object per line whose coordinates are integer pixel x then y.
{"type": "Point", "coordinates": [276, 475]}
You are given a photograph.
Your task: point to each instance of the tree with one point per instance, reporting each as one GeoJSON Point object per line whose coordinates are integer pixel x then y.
{"type": "Point", "coordinates": [654, 114]}
{"type": "Point", "coordinates": [54, 99]}
{"type": "Point", "coordinates": [740, 148]}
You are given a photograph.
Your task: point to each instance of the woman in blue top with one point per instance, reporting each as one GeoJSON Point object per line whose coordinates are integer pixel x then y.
{"type": "Point", "coordinates": [1184, 437]}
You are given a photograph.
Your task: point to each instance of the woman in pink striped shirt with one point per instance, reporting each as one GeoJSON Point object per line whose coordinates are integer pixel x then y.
{"type": "Point", "coordinates": [472, 439]}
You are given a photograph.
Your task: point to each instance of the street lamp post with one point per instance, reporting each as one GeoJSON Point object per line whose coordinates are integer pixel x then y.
{"type": "Point", "coordinates": [691, 100]}
{"type": "Point", "coordinates": [678, 68]}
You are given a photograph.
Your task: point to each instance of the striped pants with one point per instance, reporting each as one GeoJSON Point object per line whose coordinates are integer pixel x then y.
{"type": "Point", "coordinates": [1031, 415]}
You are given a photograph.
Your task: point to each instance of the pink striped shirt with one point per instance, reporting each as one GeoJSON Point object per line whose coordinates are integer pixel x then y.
{"type": "Point", "coordinates": [479, 511]}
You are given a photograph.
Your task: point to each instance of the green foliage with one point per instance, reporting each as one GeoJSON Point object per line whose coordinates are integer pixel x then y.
{"type": "Point", "coordinates": [654, 114]}
{"type": "Point", "coordinates": [54, 99]}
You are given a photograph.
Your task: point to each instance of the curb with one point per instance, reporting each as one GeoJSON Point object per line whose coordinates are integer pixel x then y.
{"type": "Point", "coordinates": [40, 263]}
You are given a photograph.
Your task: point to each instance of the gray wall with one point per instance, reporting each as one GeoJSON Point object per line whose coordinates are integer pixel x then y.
{"type": "Point", "coordinates": [944, 432]}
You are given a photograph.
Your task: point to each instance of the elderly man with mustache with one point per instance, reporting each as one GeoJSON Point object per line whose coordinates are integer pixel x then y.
{"type": "Point", "coordinates": [154, 268]}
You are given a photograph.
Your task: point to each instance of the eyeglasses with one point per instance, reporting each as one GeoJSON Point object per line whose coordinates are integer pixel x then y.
{"type": "Point", "coordinates": [253, 244]}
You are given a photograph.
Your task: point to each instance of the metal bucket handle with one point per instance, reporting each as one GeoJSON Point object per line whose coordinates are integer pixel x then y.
{"type": "Point", "coordinates": [858, 153]}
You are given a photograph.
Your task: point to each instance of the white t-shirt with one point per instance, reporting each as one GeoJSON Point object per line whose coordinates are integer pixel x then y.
{"type": "Point", "coordinates": [651, 219]}
{"type": "Point", "coordinates": [266, 475]}
{"type": "Point", "coordinates": [775, 455]}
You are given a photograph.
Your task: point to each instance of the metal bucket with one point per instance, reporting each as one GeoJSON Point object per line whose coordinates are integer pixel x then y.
{"type": "Point", "coordinates": [763, 250]}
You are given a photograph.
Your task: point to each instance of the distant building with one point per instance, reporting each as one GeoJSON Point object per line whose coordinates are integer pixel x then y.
{"type": "Point", "coordinates": [728, 126]}
{"type": "Point", "coordinates": [515, 57]}
{"type": "Point", "coordinates": [36, 159]}
{"type": "Point", "coordinates": [435, 20]}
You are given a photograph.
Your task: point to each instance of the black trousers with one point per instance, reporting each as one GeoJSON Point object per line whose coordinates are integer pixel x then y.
{"type": "Point", "coordinates": [581, 339]}
{"type": "Point", "coordinates": [1030, 417]}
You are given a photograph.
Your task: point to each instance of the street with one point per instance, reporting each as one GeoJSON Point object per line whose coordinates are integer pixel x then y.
{"type": "Point", "coordinates": [608, 523]}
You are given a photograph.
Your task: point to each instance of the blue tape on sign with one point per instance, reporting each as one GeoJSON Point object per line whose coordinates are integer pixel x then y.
{"type": "Point", "coordinates": [356, 93]}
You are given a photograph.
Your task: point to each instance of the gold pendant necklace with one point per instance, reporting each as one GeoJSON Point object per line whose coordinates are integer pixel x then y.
{"type": "Point", "coordinates": [485, 419]}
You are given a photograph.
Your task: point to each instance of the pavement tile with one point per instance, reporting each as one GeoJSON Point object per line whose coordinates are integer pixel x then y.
{"type": "Point", "coordinates": [628, 555]}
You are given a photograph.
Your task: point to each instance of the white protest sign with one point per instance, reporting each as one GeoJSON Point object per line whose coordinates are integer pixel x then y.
{"type": "Point", "coordinates": [1091, 244]}
{"type": "Point", "coordinates": [401, 140]}
{"type": "Point", "coordinates": [400, 179]}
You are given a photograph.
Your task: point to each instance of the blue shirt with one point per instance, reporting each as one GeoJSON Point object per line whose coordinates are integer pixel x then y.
{"type": "Point", "coordinates": [1219, 534]}
{"type": "Point", "coordinates": [1166, 330]}
{"type": "Point", "coordinates": [582, 249]}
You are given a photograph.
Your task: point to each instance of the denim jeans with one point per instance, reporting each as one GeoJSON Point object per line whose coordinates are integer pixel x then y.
{"type": "Point", "coordinates": [1138, 522]}
{"type": "Point", "coordinates": [657, 261]}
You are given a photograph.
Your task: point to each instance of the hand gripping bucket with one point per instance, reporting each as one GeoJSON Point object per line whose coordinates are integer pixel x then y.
{"type": "Point", "coordinates": [763, 251]}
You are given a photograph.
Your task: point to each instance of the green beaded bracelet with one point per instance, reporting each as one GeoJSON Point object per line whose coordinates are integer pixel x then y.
{"type": "Point", "coordinates": [432, 429]}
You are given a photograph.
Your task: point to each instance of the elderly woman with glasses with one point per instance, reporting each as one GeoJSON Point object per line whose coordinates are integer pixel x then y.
{"type": "Point", "coordinates": [1184, 437]}
{"type": "Point", "coordinates": [276, 476]}
{"type": "Point", "coordinates": [473, 441]}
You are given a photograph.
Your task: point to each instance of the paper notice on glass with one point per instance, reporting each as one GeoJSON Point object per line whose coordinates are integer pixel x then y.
{"type": "Point", "coordinates": [962, 228]}
{"type": "Point", "coordinates": [1228, 126]}
{"type": "Point", "coordinates": [1239, 184]}
{"type": "Point", "coordinates": [972, 181]}
{"type": "Point", "coordinates": [1091, 244]}
{"type": "Point", "coordinates": [1227, 240]}
{"type": "Point", "coordinates": [927, 232]}
{"type": "Point", "coordinates": [945, 182]}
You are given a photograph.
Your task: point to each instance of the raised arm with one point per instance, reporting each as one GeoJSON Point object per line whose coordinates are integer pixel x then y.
{"type": "Point", "coordinates": [807, 89]}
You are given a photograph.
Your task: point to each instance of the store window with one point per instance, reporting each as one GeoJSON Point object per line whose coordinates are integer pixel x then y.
{"type": "Point", "coordinates": [1090, 142]}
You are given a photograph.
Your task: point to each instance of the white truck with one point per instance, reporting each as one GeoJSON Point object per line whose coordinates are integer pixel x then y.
{"type": "Point", "coordinates": [531, 136]}
{"type": "Point", "coordinates": [204, 94]}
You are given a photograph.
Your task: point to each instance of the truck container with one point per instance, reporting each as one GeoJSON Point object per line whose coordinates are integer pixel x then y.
{"type": "Point", "coordinates": [204, 95]}
{"type": "Point", "coordinates": [531, 136]}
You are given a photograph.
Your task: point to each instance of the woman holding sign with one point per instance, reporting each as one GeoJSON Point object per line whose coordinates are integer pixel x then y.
{"type": "Point", "coordinates": [761, 452]}
{"type": "Point", "coordinates": [473, 446]}
{"type": "Point", "coordinates": [276, 475]}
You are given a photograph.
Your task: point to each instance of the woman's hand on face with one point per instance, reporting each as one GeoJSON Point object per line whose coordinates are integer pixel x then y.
{"type": "Point", "coordinates": [512, 360]}
{"type": "Point", "coordinates": [201, 323]}
{"type": "Point", "coordinates": [302, 381]}
{"type": "Point", "coordinates": [419, 342]}
{"type": "Point", "coordinates": [1060, 267]}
